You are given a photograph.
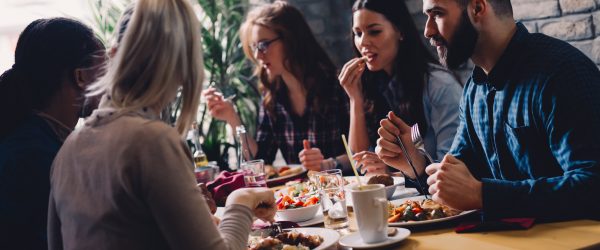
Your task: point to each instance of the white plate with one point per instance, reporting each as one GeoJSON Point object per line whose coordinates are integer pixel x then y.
{"type": "Point", "coordinates": [355, 241]}
{"type": "Point", "coordinates": [287, 176]}
{"type": "Point", "coordinates": [414, 223]}
{"type": "Point", "coordinates": [330, 237]}
{"type": "Point", "coordinates": [318, 219]}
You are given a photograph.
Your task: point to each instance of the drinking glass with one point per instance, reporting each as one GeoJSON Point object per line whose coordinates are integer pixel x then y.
{"type": "Point", "coordinates": [204, 174]}
{"type": "Point", "coordinates": [333, 200]}
{"type": "Point", "coordinates": [254, 173]}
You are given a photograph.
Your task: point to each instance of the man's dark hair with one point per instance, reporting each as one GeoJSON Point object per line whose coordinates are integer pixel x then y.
{"type": "Point", "coordinates": [501, 7]}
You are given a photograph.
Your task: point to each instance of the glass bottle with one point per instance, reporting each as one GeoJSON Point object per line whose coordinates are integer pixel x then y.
{"type": "Point", "coordinates": [200, 158]}
{"type": "Point", "coordinates": [243, 147]}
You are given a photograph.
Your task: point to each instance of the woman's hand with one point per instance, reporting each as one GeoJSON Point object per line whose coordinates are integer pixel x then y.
{"type": "Point", "coordinates": [208, 198]}
{"type": "Point", "coordinates": [370, 163]}
{"type": "Point", "coordinates": [260, 200]}
{"type": "Point", "coordinates": [350, 78]}
{"type": "Point", "coordinates": [218, 107]}
{"type": "Point", "coordinates": [311, 158]}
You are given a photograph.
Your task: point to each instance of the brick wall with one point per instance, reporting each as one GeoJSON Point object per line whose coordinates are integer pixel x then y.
{"type": "Point", "coordinates": [330, 23]}
{"type": "Point", "coordinates": [574, 21]}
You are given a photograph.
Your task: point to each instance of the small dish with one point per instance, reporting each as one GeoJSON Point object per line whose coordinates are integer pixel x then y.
{"type": "Point", "coordinates": [299, 214]}
{"type": "Point", "coordinates": [355, 241]}
{"type": "Point", "coordinates": [318, 219]}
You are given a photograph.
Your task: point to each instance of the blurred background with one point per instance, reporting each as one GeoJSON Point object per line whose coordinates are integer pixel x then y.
{"type": "Point", "coordinates": [574, 21]}
{"type": "Point", "coordinates": [16, 14]}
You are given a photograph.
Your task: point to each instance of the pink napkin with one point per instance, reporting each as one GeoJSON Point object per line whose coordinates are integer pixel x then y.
{"type": "Point", "coordinates": [224, 184]}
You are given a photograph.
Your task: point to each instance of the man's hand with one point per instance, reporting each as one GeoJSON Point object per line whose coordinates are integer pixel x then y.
{"type": "Point", "coordinates": [451, 183]}
{"type": "Point", "coordinates": [390, 152]}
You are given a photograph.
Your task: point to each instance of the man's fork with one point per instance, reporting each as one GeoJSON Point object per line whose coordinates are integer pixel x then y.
{"type": "Point", "coordinates": [415, 135]}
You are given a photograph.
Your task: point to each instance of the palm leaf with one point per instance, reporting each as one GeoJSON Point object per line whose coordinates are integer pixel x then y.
{"type": "Point", "coordinates": [224, 63]}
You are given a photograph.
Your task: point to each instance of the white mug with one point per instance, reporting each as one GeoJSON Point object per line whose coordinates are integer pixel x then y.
{"type": "Point", "coordinates": [371, 211]}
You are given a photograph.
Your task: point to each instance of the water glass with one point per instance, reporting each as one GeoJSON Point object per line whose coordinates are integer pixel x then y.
{"type": "Point", "coordinates": [254, 173]}
{"type": "Point", "coordinates": [204, 174]}
{"type": "Point", "coordinates": [333, 200]}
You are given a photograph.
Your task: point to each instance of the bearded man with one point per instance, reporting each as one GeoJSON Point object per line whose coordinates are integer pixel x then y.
{"type": "Point", "coordinates": [528, 143]}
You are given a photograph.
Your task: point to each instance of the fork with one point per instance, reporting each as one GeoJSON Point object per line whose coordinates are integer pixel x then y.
{"type": "Point", "coordinates": [416, 138]}
{"type": "Point", "coordinates": [229, 98]}
{"type": "Point", "coordinates": [410, 162]}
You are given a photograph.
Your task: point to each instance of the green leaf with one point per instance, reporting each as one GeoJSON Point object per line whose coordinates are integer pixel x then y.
{"type": "Point", "coordinates": [224, 63]}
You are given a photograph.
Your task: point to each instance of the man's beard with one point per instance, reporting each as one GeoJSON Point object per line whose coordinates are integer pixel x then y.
{"type": "Point", "coordinates": [457, 52]}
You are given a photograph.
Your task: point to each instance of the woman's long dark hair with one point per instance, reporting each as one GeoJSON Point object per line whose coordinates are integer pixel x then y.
{"type": "Point", "coordinates": [411, 63]}
{"type": "Point", "coordinates": [48, 50]}
{"type": "Point", "coordinates": [304, 57]}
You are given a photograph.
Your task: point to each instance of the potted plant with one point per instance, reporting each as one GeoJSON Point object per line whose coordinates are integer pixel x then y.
{"type": "Point", "coordinates": [224, 62]}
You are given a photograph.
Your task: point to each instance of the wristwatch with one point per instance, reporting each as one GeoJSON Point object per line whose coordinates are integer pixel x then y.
{"type": "Point", "coordinates": [330, 163]}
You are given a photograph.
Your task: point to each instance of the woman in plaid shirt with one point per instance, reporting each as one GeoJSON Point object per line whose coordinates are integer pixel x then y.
{"type": "Point", "coordinates": [301, 97]}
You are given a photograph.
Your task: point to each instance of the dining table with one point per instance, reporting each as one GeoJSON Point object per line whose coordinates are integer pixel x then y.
{"type": "Point", "coordinates": [575, 234]}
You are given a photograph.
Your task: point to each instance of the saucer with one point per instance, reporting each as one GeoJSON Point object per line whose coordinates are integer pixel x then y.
{"type": "Point", "coordinates": [355, 241]}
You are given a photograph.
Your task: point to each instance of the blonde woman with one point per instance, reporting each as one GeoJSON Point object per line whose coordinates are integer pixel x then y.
{"type": "Point", "coordinates": [122, 181]}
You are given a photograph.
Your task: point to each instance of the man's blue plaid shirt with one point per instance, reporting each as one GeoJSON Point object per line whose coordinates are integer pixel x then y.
{"type": "Point", "coordinates": [529, 130]}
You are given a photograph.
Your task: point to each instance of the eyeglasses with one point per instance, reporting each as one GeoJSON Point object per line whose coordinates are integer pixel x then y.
{"type": "Point", "coordinates": [262, 46]}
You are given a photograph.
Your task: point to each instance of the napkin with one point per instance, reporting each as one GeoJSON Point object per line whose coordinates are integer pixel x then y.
{"type": "Point", "coordinates": [224, 184]}
{"type": "Point", "coordinates": [495, 225]}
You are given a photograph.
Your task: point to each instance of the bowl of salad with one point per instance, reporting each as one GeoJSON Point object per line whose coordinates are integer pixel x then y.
{"type": "Point", "coordinates": [297, 202]}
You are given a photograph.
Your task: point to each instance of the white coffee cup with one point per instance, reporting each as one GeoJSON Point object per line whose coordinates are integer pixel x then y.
{"type": "Point", "coordinates": [371, 211]}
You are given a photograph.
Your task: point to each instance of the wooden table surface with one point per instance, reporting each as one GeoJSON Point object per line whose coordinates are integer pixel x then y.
{"type": "Point", "coordinates": [579, 234]}
{"type": "Point", "coordinates": [547, 236]}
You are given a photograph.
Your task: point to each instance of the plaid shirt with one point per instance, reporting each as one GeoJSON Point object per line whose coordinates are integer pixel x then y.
{"type": "Point", "coordinates": [322, 131]}
{"type": "Point", "coordinates": [529, 131]}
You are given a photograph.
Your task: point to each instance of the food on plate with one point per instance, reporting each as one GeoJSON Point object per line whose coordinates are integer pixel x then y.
{"type": "Point", "coordinates": [284, 171]}
{"type": "Point", "coordinates": [419, 211]}
{"type": "Point", "coordinates": [270, 171]}
{"type": "Point", "coordinates": [384, 179]}
{"type": "Point", "coordinates": [285, 240]}
{"type": "Point", "coordinates": [297, 195]}
{"type": "Point", "coordinates": [274, 172]}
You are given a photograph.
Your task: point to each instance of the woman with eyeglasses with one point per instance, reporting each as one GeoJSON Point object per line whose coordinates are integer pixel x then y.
{"type": "Point", "coordinates": [301, 97]}
{"type": "Point", "coordinates": [394, 71]}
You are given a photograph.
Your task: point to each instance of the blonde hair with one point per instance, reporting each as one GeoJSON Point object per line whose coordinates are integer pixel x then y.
{"type": "Point", "coordinates": [160, 52]}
